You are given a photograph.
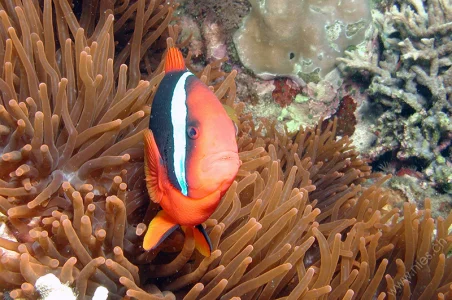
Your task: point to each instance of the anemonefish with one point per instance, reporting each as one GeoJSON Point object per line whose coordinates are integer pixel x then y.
{"type": "Point", "coordinates": [191, 155]}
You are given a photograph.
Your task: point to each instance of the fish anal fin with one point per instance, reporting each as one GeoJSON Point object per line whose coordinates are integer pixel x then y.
{"type": "Point", "coordinates": [159, 229]}
{"type": "Point", "coordinates": [174, 60]}
{"type": "Point", "coordinates": [202, 240]}
{"type": "Point", "coordinates": [153, 167]}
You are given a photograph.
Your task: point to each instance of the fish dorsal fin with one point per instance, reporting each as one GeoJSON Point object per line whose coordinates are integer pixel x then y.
{"type": "Point", "coordinates": [174, 60]}
{"type": "Point", "coordinates": [153, 167]}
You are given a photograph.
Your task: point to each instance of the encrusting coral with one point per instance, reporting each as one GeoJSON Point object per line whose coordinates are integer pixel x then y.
{"type": "Point", "coordinates": [296, 223]}
{"type": "Point", "coordinates": [299, 39]}
{"type": "Point", "coordinates": [411, 85]}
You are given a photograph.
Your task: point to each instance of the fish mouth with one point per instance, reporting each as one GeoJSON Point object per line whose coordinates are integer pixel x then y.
{"type": "Point", "coordinates": [221, 158]}
{"type": "Point", "coordinates": [215, 172]}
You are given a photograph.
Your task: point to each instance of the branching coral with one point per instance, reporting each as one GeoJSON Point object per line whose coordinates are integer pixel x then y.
{"type": "Point", "coordinates": [411, 84]}
{"type": "Point", "coordinates": [296, 223]}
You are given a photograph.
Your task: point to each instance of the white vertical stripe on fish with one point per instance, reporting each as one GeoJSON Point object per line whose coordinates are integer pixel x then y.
{"type": "Point", "coordinates": [178, 119]}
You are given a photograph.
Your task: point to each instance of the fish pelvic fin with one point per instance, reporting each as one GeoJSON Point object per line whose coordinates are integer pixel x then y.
{"type": "Point", "coordinates": [153, 167]}
{"type": "Point", "coordinates": [202, 240]}
{"type": "Point", "coordinates": [174, 60]}
{"type": "Point", "coordinates": [161, 226]}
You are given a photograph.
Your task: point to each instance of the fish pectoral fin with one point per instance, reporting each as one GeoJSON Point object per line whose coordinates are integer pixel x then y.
{"type": "Point", "coordinates": [202, 240]}
{"type": "Point", "coordinates": [159, 229]}
{"type": "Point", "coordinates": [153, 167]}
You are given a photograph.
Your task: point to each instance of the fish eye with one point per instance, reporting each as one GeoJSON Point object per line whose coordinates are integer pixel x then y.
{"type": "Point", "coordinates": [193, 132]}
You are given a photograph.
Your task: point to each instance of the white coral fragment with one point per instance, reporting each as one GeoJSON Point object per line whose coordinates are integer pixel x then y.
{"type": "Point", "coordinates": [50, 288]}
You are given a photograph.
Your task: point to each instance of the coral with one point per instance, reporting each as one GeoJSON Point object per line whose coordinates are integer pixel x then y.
{"type": "Point", "coordinates": [191, 31]}
{"type": "Point", "coordinates": [213, 23]}
{"type": "Point", "coordinates": [299, 106]}
{"type": "Point", "coordinates": [411, 84]}
{"type": "Point", "coordinates": [300, 39]}
{"type": "Point", "coordinates": [285, 91]}
{"type": "Point", "coordinates": [346, 116]}
{"type": "Point", "coordinates": [49, 287]}
{"type": "Point", "coordinates": [413, 188]}
{"type": "Point", "coordinates": [228, 13]}
{"type": "Point", "coordinates": [206, 37]}
{"type": "Point", "coordinates": [296, 223]}
{"type": "Point", "coordinates": [315, 101]}
{"type": "Point", "coordinates": [216, 21]}
{"type": "Point", "coordinates": [215, 39]}
{"type": "Point", "coordinates": [257, 95]}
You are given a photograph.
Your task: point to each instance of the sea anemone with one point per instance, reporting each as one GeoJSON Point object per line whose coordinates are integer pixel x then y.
{"type": "Point", "coordinates": [76, 87]}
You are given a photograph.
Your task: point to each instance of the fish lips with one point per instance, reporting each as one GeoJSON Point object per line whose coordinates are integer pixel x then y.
{"type": "Point", "coordinates": [229, 160]}
{"type": "Point", "coordinates": [216, 172]}
{"type": "Point", "coordinates": [220, 169]}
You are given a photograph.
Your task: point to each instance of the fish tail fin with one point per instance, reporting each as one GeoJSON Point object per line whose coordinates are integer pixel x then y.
{"type": "Point", "coordinates": [202, 240]}
{"type": "Point", "coordinates": [159, 229]}
{"type": "Point", "coordinates": [174, 60]}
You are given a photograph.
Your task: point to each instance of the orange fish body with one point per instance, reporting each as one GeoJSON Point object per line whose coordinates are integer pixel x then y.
{"type": "Point", "coordinates": [191, 155]}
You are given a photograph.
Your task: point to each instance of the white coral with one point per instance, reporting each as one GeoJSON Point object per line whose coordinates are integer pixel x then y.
{"type": "Point", "coordinates": [50, 288]}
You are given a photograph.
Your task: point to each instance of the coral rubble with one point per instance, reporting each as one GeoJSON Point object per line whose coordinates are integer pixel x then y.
{"type": "Point", "coordinates": [300, 39]}
{"type": "Point", "coordinates": [411, 85]}
{"type": "Point", "coordinates": [297, 223]}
